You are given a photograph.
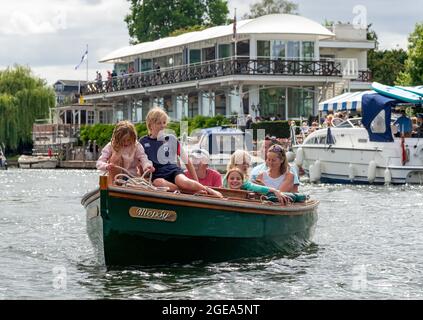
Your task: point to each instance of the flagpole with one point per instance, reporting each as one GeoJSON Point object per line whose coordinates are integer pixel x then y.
{"type": "Point", "coordinates": [87, 63]}
{"type": "Point", "coordinates": [235, 35]}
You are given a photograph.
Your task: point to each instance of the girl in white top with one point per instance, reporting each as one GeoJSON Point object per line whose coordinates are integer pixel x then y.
{"type": "Point", "coordinates": [278, 175]}
{"type": "Point", "coordinates": [124, 151]}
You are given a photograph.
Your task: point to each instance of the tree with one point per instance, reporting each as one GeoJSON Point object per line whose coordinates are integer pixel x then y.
{"type": "Point", "coordinates": [386, 65]}
{"type": "Point", "coordinates": [413, 72]}
{"type": "Point", "coordinates": [150, 20]}
{"type": "Point", "coordinates": [23, 99]}
{"type": "Point", "coordinates": [271, 6]}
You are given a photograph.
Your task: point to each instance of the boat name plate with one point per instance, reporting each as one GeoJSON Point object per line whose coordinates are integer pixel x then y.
{"type": "Point", "coordinates": [153, 214]}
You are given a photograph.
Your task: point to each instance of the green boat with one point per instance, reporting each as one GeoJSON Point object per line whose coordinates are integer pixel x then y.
{"type": "Point", "coordinates": [137, 226]}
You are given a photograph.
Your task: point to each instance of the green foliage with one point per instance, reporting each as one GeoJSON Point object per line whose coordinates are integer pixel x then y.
{"type": "Point", "coordinates": [413, 72]}
{"type": "Point", "coordinates": [279, 129]}
{"type": "Point", "coordinates": [386, 65]}
{"type": "Point", "coordinates": [271, 6]}
{"type": "Point", "coordinates": [102, 133]}
{"type": "Point", "coordinates": [150, 20]}
{"type": "Point", "coordinates": [23, 99]}
{"type": "Point", "coordinates": [186, 30]}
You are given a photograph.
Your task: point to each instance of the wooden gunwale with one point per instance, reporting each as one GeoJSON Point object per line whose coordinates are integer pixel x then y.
{"type": "Point", "coordinates": [226, 204]}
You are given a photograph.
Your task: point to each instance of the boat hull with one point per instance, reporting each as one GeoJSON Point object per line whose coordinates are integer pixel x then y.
{"type": "Point", "coordinates": [200, 231]}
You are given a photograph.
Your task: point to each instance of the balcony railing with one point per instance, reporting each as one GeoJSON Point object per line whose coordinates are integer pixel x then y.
{"type": "Point", "coordinates": [219, 68]}
{"type": "Point", "coordinates": [365, 76]}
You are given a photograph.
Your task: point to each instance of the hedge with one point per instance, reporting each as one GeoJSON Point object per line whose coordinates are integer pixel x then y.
{"type": "Point", "coordinates": [102, 133]}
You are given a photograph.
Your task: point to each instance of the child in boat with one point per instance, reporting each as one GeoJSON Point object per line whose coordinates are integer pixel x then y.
{"type": "Point", "coordinates": [235, 179]}
{"type": "Point", "coordinates": [163, 150]}
{"type": "Point", "coordinates": [123, 151]}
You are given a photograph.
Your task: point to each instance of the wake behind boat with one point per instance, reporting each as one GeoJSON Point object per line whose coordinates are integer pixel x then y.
{"type": "Point", "coordinates": [142, 225]}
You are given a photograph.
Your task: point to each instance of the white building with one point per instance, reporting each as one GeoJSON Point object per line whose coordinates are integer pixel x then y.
{"type": "Point", "coordinates": [278, 64]}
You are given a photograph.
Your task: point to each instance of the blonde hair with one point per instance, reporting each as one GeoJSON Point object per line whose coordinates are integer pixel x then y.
{"type": "Point", "coordinates": [238, 157]}
{"type": "Point", "coordinates": [231, 171]}
{"type": "Point", "coordinates": [278, 149]}
{"type": "Point", "coordinates": [154, 116]}
{"type": "Point", "coordinates": [123, 129]}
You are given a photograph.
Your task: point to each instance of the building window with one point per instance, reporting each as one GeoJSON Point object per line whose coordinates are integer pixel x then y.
{"type": "Point", "coordinates": [293, 50]}
{"type": "Point", "coordinates": [146, 64]}
{"type": "Point", "coordinates": [209, 54]}
{"type": "Point", "coordinates": [300, 102]}
{"type": "Point", "coordinates": [243, 48]}
{"type": "Point", "coordinates": [192, 105]}
{"type": "Point", "coordinates": [90, 117]}
{"type": "Point", "coordinates": [194, 56]}
{"type": "Point", "coordinates": [224, 51]}
{"type": "Point", "coordinates": [263, 49]}
{"type": "Point", "coordinates": [308, 50]}
{"type": "Point", "coordinates": [278, 49]}
{"type": "Point", "coordinates": [220, 103]}
{"type": "Point", "coordinates": [273, 103]}
{"type": "Point", "coordinates": [119, 115]}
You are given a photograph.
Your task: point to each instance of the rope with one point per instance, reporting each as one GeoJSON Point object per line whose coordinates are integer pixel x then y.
{"type": "Point", "coordinates": [129, 180]}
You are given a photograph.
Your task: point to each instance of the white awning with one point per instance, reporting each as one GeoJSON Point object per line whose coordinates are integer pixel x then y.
{"type": "Point", "coordinates": [350, 101]}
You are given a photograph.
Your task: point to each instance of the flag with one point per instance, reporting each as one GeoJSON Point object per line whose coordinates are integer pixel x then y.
{"type": "Point", "coordinates": [234, 28]}
{"type": "Point", "coordinates": [84, 57]}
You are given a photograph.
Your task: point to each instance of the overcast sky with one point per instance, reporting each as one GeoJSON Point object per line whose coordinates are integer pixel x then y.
{"type": "Point", "coordinates": [51, 35]}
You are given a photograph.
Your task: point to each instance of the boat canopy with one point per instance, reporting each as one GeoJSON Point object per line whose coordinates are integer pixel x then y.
{"type": "Point", "coordinates": [376, 111]}
{"type": "Point", "coordinates": [349, 101]}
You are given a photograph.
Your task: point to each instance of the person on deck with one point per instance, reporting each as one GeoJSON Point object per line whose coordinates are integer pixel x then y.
{"type": "Point", "coordinates": [404, 124]}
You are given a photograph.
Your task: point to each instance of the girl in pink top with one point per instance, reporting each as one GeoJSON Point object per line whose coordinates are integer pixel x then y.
{"type": "Point", "coordinates": [124, 151]}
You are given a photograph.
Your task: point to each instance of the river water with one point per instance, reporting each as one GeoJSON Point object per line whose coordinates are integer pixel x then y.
{"type": "Point", "coordinates": [368, 245]}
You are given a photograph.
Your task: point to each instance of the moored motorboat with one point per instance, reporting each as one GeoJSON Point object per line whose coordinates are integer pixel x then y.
{"type": "Point", "coordinates": [362, 150]}
{"type": "Point", "coordinates": [37, 162]}
{"type": "Point", "coordinates": [138, 226]}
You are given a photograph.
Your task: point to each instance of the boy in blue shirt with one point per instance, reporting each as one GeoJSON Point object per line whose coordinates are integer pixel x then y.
{"type": "Point", "coordinates": [163, 150]}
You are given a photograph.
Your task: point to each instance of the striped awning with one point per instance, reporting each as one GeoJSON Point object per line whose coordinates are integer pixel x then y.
{"type": "Point", "coordinates": [349, 101]}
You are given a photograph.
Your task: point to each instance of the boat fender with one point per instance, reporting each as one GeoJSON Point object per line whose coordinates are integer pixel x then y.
{"type": "Point", "coordinates": [371, 172]}
{"type": "Point", "coordinates": [351, 174]}
{"type": "Point", "coordinates": [315, 171]}
{"type": "Point", "coordinates": [310, 172]}
{"type": "Point", "coordinates": [387, 175]}
{"type": "Point", "coordinates": [299, 157]}
{"type": "Point", "coordinates": [290, 156]}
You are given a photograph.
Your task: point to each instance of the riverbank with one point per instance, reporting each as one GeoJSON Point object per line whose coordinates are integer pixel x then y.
{"type": "Point", "coordinates": [71, 164]}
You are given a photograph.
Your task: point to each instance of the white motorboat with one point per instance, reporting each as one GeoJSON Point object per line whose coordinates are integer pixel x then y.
{"type": "Point", "coordinates": [37, 162]}
{"type": "Point", "coordinates": [221, 143]}
{"type": "Point", "coordinates": [362, 150]}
